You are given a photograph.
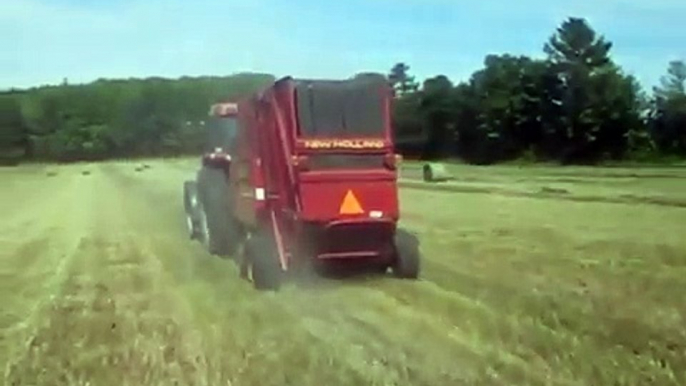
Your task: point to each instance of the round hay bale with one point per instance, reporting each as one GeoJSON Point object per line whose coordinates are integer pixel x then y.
{"type": "Point", "coordinates": [435, 172]}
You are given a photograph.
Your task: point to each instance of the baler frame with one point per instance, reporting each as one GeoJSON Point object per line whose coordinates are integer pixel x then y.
{"type": "Point", "coordinates": [278, 213]}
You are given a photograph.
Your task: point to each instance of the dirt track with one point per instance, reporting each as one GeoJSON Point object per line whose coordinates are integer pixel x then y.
{"type": "Point", "coordinates": [101, 286]}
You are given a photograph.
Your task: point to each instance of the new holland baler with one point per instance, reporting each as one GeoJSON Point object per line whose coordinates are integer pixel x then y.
{"type": "Point", "coordinates": [311, 178]}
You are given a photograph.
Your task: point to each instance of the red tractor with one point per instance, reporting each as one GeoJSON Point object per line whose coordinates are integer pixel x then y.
{"type": "Point", "coordinates": [207, 200]}
{"type": "Point", "coordinates": [303, 173]}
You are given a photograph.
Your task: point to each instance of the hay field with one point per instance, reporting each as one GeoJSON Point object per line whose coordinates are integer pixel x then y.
{"type": "Point", "coordinates": [532, 276]}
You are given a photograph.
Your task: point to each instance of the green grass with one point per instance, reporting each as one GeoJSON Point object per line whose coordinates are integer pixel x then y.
{"type": "Point", "coordinates": [584, 292]}
{"type": "Point", "coordinates": [531, 276]}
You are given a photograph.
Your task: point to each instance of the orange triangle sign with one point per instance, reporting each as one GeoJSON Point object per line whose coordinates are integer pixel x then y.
{"type": "Point", "coordinates": [350, 205]}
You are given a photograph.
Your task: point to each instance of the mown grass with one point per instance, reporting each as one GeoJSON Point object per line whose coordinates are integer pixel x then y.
{"type": "Point", "coordinates": [664, 186]}
{"type": "Point", "coordinates": [587, 293]}
{"type": "Point", "coordinates": [521, 285]}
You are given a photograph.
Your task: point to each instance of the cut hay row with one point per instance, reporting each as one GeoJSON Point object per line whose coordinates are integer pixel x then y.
{"type": "Point", "coordinates": [545, 193]}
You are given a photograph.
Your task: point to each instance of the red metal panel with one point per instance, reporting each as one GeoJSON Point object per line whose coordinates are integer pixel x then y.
{"type": "Point", "coordinates": [356, 238]}
{"type": "Point", "coordinates": [244, 176]}
{"type": "Point", "coordinates": [269, 143]}
{"type": "Point", "coordinates": [322, 200]}
{"type": "Point", "coordinates": [348, 255]}
{"type": "Point", "coordinates": [350, 176]}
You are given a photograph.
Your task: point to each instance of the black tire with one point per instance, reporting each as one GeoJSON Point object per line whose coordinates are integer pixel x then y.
{"type": "Point", "coordinates": [263, 256]}
{"type": "Point", "coordinates": [191, 207]}
{"type": "Point", "coordinates": [407, 255]}
{"type": "Point", "coordinates": [203, 229]}
{"type": "Point", "coordinates": [223, 231]}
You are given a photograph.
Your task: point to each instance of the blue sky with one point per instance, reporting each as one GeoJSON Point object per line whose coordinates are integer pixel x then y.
{"type": "Point", "coordinates": [46, 40]}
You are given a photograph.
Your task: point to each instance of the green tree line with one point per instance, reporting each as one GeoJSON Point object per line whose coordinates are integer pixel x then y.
{"type": "Point", "coordinates": [575, 105]}
{"type": "Point", "coordinates": [115, 118]}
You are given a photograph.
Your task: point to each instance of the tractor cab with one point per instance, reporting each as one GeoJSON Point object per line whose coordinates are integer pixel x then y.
{"type": "Point", "coordinates": [221, 134]}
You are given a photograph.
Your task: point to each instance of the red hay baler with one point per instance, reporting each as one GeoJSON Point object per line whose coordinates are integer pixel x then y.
{"type": "Point", "coordinates": [303, 172]}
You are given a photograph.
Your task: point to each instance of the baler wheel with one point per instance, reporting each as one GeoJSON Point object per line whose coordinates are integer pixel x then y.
{"type": "Point", "coordinates": [263, 256]}
{"type": "Point", "coordinates": [407, 255]}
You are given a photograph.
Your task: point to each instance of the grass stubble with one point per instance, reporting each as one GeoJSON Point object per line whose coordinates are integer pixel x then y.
{"type": "Point", "coordinates": [523, 283]}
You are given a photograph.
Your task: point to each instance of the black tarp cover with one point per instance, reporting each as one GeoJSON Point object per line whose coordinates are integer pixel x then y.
{"type": "Point", "coordinates": [350, 108]}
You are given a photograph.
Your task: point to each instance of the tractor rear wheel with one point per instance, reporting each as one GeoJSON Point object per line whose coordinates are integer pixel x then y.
{"type": "Point", "coordinates": [407, 255]}
{"type": "Point", "coordinates": [203, 230]}
{"type": "Point", "coordinates": [222, 231]}
{"type": "Point", "coordinates": [263, 256]}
